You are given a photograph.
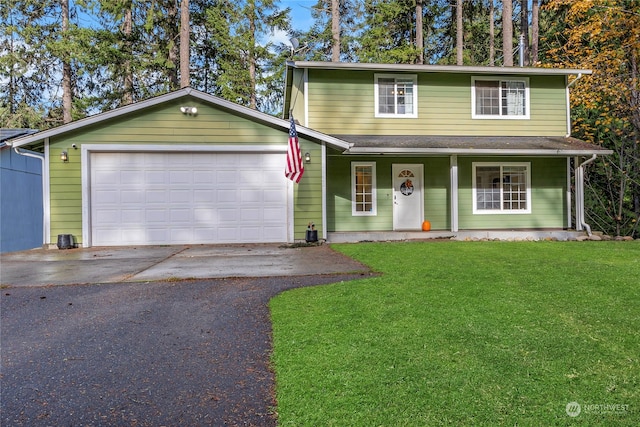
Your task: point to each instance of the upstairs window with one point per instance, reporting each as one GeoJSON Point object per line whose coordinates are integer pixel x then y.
{"type": "Point", "coordinates": [501, 188]}
{"type": "Point", "coordinates": [396, 95]}
{"type": "Point", "coordinates": [500, 99]}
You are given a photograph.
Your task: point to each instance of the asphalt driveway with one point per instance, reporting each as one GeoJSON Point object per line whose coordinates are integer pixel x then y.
{"type": "Point", "coordinates": [135, 352]}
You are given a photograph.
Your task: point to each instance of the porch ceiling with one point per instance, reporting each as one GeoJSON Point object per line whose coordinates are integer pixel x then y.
{"type": "Point", "coordinates": [470, 145]}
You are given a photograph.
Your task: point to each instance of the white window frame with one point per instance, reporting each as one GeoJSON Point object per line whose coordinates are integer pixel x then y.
{"type": "Point", "coordinates": [501, 210]}
{"type": "Point", "coordinates": [396, 77]}
{"type": "Point", "coordinates": [374, 203]}
{"type": "Point", "coordinates": [500, 116]}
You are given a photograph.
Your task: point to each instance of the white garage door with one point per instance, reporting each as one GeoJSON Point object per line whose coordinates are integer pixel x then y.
{"type": "Point", "coordinates": [178, 198]}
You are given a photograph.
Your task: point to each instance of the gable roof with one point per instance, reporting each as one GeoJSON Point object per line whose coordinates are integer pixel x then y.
{"type": "Point", "coordinates": [422, 68]}
{"type": "Point", "coordinates": [240, 110]}
{"type": "Point", "coordinates": [470, 145]}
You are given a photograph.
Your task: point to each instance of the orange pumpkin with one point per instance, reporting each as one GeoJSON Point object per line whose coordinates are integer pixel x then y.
{"type": "Point", "coordinates": [426, 226]}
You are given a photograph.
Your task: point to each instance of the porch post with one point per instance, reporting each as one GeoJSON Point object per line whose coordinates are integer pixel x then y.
{"type": "Point", "coordinates": [569, 225]}
{"type": "Point", "coordinates": [323, 147]}
{"type": "Point", "coordinates": [453, 162]}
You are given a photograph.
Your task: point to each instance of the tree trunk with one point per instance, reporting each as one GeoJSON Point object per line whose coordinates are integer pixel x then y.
{"type": "Point", "coordinates": [253, 103]}
{"type": "Point", "coordinates": [184, 44]}
{"type": "Point", "coordinates": [173, 53]}
{"type": "Point", "coordinates": [507, 33]}
{"type": "Point", "coordinates": [492, 43]}
{"type": "Point", "coordinates": [535, 10]}
{"type": "Point", "coordinates": [459, 33]}
{"type": "Point", "coordinates": [419, 32]}
{"type": "Point", "coordinates": [335, 30]}
{"type": "Point", "coordinates": [524, 23]}
{"type": "Point", "coordinates": [67, 104]}
{"type": "Point", "coordinates": [127, 29]}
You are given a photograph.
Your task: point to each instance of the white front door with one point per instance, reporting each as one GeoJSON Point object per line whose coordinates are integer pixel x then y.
{"type": "Point", "coordinates": [408, 197]}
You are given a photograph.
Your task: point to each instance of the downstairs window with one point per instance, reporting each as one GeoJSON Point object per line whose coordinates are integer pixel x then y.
{"type": "Point", "coordinates": [501, 188]}
{"type": "Point", "coordinates": [363, 188]}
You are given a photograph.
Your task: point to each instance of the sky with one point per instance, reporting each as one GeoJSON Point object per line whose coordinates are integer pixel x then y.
{"type": "Point", "coordinates": [300, 18]}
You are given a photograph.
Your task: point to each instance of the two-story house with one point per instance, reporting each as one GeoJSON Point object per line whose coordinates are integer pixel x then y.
{"type": "Point", "coordinates": [386, 148]}
{"type": "Point", "coordinates": [466, 148]}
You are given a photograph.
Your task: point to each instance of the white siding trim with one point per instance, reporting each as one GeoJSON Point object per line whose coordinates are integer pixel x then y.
{"type": "Point", "coordinates": [323, 149]}
{"type": "Point", "coordinates": [46, 194]}
{"type": "Point", "coordinates": [568, 104]}
{"type": "Point", "coordinates": [306, 97]}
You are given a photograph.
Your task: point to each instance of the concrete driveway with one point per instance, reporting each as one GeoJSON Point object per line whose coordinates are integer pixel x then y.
{"type": "Point", "coordinates": [156, 350]}
{"type": "Point", "coordinates": [41, 267]}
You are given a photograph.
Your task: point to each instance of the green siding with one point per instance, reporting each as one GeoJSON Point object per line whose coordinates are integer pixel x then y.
{"type": "Point", "coordinates": [339, 213]}
{"type": "Point", "coordinates": [548, 196]}
{"type": "Point", "coordinates": [308, 193]}
{"type": "Point", "coordinates": [165, 124]}
{"type": "Point", "coordinates": [342, 102]}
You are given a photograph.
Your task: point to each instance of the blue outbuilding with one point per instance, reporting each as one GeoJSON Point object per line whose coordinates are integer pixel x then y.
{"type": "Point", "coordinates": [21, 201]}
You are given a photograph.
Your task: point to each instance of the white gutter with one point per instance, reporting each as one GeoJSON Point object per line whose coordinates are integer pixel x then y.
{"type": "Point", "coordinates": [471, 151]}
{"type": "Point", "coordinates": [580, 221]}
{"type": "Point", "coordinates": [436, 68]}
{"type": "Point", "coordinates": [26, 153]}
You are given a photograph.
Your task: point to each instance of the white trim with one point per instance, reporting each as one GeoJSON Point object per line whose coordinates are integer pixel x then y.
{"type": "Point", "coordinates": [374, 190]}
{"type": "Point", "coordinates": [46, 193]}
{"type": "Point", "coordinates": [88, 149]}
{"type": "Point", "coordinates": [472, 151]}
{"type": "Point", "coordinates": [500, 211]}
{"type": "Point", "coordinates": [255, 115]}
{"type": "Point", "coordinates": [306, 96]}
{"type": "Point", "coordinates": [96, 148]}
{"type": "Point", "coordinates": [453, 171]}
{"type": "Point", "coordinates": [500, 80]}
{"type": "Point", "coordinates": [453, 69]}
{"type": "Point", "coordinates": [85, 177]}
{"type": "Point", "coordinates": [323, 149]}
{"type": "Point", "coordinates": [396, 76]}
{"type": "Point", "coordinates": [568, 105]}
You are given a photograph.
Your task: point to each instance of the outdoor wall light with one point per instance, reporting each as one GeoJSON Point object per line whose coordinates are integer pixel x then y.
{"type": "Point", "coordinates": [307, 157]}
{"type": "Point", "coordinates": [192, 111]}
{"type": "Point", "coordinates": [64, 156]}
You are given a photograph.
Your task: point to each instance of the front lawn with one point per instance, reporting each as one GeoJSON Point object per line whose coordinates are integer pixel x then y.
{"type": "Point", "coordinates": [465, 333]}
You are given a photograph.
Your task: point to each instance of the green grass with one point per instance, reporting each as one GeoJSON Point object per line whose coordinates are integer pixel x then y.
{"type": "Point", "coordinates": [465, 333]}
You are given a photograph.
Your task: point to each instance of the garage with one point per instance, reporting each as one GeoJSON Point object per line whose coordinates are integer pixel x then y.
{"type": "Point", "coordinates": [176, 197]}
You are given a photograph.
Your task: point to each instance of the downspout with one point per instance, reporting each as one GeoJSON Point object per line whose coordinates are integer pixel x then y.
{"type": "Point", "coordinates": [27, 153]}
{"type": "Point", "coordinates": [580, 222]}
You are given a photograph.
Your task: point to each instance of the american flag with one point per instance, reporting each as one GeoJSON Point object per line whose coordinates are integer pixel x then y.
{"type": "Point", "coordinates": [295, 168]}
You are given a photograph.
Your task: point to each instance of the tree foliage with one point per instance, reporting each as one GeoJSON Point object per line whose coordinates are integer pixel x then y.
{"type": "Point", "coordinates": [122, 51]}
{"type": "Point", "coordinates": [604, 35]}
